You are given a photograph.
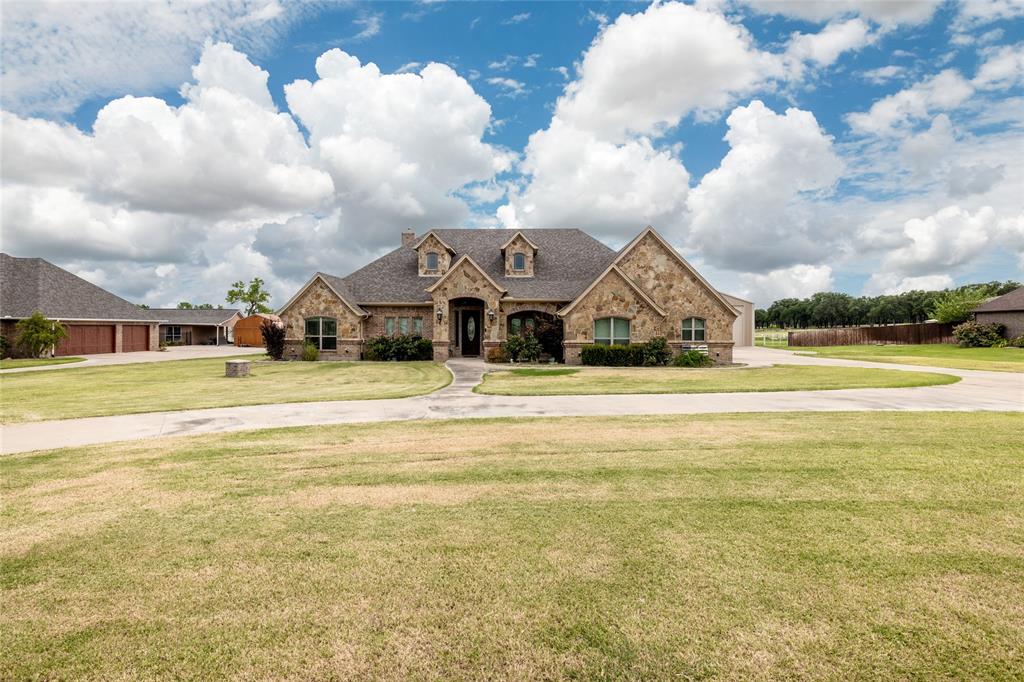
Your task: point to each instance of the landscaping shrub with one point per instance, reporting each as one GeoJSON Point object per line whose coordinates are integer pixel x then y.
{"type": "Point", "coordinates": [401, 348]}
{"type": "Point", "coordinates": [36, 334]}
{"type": "Point", "coordinates": [5, 346]}
{"type": "Point", "coordinates": [273, 339]}
{"type": "Point", "coordinates": [594, 355]}
{"type": "Point", "coordinates": [497, 354]}
{"type": "Point", "coordinates": [651, 354]}
{"type": "Point", "coordinates": [531, 348]}
{"type": "Point", "coordinates": [310, 353]}
{"type": "Point", "coordinates": [1017, 342]}
{"type": "Point", "coordinates": [656, 352]}
{"type": "Point", "coordinates": [514, 347]}
{"type": "Point", "coordinates": [974, 335]}
{"type": "Point", "coordinates": [692, 358]}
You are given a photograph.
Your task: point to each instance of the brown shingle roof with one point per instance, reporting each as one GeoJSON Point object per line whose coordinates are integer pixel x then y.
{"type": "Point", "coordinates": [1009, 302]}
{"type": "Point", "coordinates": [567, 261]}
{"type": "Point", "coordinates": [31, 284]}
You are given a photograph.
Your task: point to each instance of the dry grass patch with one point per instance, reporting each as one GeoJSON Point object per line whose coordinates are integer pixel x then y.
{"type": "Point", "coordinates": [877, 545]}
{"type": "Point", "coordinates": [620, 380]}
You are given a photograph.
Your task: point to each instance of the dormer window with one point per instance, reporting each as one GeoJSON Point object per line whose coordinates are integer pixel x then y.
{"type": "Point", "coordinates": [519, 262]}
{"type": "Point", "coordinates": [432, 260]}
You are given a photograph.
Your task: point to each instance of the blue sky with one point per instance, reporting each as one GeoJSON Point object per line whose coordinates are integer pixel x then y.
{"type": "Point", "coordinates": [784, 147]}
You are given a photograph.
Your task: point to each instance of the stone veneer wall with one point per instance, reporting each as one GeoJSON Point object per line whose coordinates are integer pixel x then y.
{"type": "Point", "coordinates": [519, 245]}
{"type": "Point", "coordinates": [466, 281]}
{"type": "Point", "coordinates": [374, 324]}
{"type": "Point", "coordinates": [319, 301]}
{"type": "Point", "coordinates": [444, 258]}
{"type": "Point", "coordinates": [612, 297]}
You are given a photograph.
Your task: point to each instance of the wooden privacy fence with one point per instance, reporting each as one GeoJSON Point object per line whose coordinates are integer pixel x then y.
{"type": "Point", "coordinates": [925, 332]}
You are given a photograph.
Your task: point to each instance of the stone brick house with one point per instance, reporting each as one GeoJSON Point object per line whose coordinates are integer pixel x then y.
{"type": "Point", "coordinates": [468, 290]}
{"type": "Point", "coordinates": [1007, 310]}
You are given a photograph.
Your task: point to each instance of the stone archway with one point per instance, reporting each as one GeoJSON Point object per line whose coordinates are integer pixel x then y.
{"type": "Point", "coordinates": [548, 329]}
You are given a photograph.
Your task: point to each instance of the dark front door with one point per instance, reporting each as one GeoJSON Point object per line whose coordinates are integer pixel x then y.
{"type": "Point", "coordinates": [470, 332]}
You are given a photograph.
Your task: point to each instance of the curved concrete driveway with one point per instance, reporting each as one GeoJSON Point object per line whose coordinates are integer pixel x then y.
{"type": "Point", "coordinates": [977, 390]}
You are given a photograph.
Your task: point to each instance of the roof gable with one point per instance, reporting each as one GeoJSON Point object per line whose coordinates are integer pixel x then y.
{"type": "Point", "coordinates": [432, 233]}
{"type": "Point", "coordinates": [613, 268]}
{"type": "Point", "coordinates": [335, 284]}
{"type": "Point", "coordinates": [196, 316]}
{"type": "Point", "coordinates": [650, 231]}
{"type": "Point", "coordinates": [519, 235]}
{"type": "Point", "coordinates": [469, 262]}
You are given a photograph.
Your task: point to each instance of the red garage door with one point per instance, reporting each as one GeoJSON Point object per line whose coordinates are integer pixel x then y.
{"type": "Point", "coordinates": [134, 337]}
{"type": "Point", "coordinates": [83, 339]}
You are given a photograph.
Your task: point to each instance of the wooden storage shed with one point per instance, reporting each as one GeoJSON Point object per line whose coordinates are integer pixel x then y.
{"type": "Point", "coordinates": [248, 332]}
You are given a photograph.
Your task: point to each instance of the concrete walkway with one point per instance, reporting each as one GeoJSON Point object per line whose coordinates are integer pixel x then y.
{"type": "Point", "coordinates": [172, 353]}
{"type": "Point", "coordinates": [977, 390]}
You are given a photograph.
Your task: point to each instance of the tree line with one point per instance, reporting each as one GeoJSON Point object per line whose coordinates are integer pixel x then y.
{"type": "Point", "coordinates": [832, 309]}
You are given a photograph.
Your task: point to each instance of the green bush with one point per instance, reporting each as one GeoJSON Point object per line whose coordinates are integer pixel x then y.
{"type": "Point", "coordinates": [497, 354]}
{"type": "Point", "coordinates": [692, 358]}
{"type": "Point", "coordinates": [514, 347]}
{"type": "Point", "coordinates": [654, 353]}
{"type": "Point", "coordinates": [401, 348]}
{"type": "Point", "coordinates": [36, 334]}
{"type": "Point", "coordinates": [1016, 342]}
{"type": "Point", "coordinates": [5, 346]}
{"type": "Point", "coordinates": [974, 335]}
{"type": "Point", "coordinates": [310, 353]}
{"type": "Point", "coordinates": [594, 355]}
{"type": "Point", "coordinates": [531, 348]}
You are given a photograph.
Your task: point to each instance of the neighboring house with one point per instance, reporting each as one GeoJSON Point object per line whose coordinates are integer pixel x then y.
{"type": "Point", "coordinates": [467, 290]}
{"type": "Point", "coordinates": [97, 321]}
{"type": "Point", "coordinates": [249, 330]}
{"type": "Point", "coordinates": [1007, 309]}
{"type": "Point", "coordinates": [194, 327]}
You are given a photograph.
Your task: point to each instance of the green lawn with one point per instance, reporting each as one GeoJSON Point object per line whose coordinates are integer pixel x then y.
{"type": "Point", "coordinates": [599, 380]}
{"type": "Point", "coordinates": [932, 354]}
{"type": "Point", "coordinates": [810, 546]}
{"type": "Point", "coordinates": [188, 384]}
{"type": "Point", "coordinates": [13, 363]}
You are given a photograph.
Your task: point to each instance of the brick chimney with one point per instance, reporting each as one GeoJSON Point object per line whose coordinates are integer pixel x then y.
{"type": "Point", "coordinates": [408, 237]}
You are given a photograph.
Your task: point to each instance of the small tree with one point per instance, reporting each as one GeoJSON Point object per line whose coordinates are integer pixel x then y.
{"type": "Point", "coordinates": [273, 339]}
{"type": "Point", "coordinates": [36, 334]}
{"type": "Point", "coordinates": [956, 306]}
{"type": "Point", "coordinates": [252, 295]}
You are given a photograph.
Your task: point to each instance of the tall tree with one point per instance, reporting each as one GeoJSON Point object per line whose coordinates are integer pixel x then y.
{"type": "Point", "coordinates": [252, 295]}
{"type": "Point", "coordinates": [36, 334]}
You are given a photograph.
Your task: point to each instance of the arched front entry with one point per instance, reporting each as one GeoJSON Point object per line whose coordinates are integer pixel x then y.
{"type": "Point", "coordinates": [546, 327]}
{"type": "Point", "coordinates": [467, 320]}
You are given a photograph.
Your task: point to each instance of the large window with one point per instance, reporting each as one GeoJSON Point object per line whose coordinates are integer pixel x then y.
{"type": "Point", "coordinates": [172, 334]}
{"type": "Point", "coordinates": [431, 261]}
{"type": "Point", "coordinates": [519, 262]}
{"type": "Point", "coordinates": [322, 332]}
{"type": "Point", "coordinates": [611, 330]}
{"type": "Point", "coordinates": [403, 325]}
{"type": "Point", "coordinates": [693, 329]}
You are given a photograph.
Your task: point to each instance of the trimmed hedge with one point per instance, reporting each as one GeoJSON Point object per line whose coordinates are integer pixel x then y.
{"type": "Point", "coordinates": [654, 353]}
{"type": "Point", "coordinates": [692, 358]}
{"type": "Point", "coordinates": [399, 348]}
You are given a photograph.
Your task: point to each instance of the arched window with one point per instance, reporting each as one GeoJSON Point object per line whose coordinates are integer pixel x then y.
{"type": "Point", "coordinates": [322, 332]}
{"type": "Point", "coordinates": [431, 261]}
{"type": "Point", "coordinates": [518, 262]}
{"type": "Point", "coordinates": [693, 329]}
{"type": "Point", "coordinates": [611, 330]}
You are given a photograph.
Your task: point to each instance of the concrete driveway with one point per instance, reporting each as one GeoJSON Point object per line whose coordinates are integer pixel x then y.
{"type": "Point", "coordinates": [172, 353]}
{"type": "Point", "coordinates": [977, 390]}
